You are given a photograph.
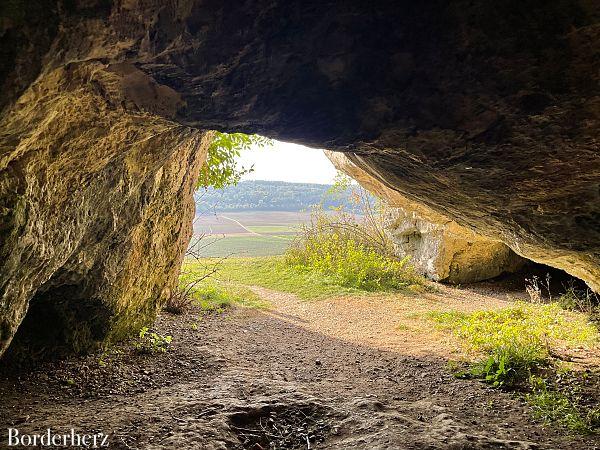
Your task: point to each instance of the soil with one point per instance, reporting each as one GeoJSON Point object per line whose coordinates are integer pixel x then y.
{"type": "Point", "coordinates": [342, 373]}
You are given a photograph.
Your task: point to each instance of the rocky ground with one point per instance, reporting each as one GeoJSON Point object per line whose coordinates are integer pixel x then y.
{"type": "Point", "coordinates": [342, 373]}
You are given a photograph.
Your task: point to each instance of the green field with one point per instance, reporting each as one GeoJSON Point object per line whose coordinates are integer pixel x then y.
{"type": "Point", "coordinates": [244, 245]}
{"type": "Point", "coordinates": [274, 229]}
{"type": "Point", "coordinates": [252, 233]}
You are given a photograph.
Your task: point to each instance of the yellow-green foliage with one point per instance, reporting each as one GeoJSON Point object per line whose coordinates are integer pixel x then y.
{"type": "Point", "coordinates": [151, 342]}
{"type": "Point", "coordinates": [351, 263]}
{"type": "Point", "coordinates": [516, 339]}
{"type": "Point", "coordinates": [525, 329]}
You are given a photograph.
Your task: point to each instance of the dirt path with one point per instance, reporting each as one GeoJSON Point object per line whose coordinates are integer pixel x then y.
{"type": "Point", "coordinates": [343, 373]}
{"type": "Point", "coordinates": [237, 222]}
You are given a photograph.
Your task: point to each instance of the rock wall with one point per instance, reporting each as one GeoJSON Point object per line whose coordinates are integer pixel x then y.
{"type": "Point", "coordinates": [97, 209]}
{"type": "Point", "coordinates": [486, 112]}
{"type": "Point", "coordinates": [438, 247]}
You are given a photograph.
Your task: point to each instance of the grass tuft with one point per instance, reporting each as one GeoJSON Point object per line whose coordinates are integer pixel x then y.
{"type": "Point", "coordinates": [214, 297]}
{"type": "Point", "coordinates": [562, 406]}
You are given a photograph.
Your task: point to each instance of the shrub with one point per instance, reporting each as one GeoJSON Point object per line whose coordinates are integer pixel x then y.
{"type": "Point", "coordinates": [351, 263]}
{"type": "Point", "coordinates": [355, 252]}
{"type": "Point", "coordinates": [574, 299]}
{"type": "Point", "coordinates": [178, 302]}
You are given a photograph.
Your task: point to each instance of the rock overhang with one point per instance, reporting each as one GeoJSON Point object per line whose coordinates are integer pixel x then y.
{"type": "Point", "coordinates": [487, 113]}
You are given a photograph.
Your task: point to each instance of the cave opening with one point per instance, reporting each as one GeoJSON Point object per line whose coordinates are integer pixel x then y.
{"type": "Point", "coordinates": [478, 123]}
{"type": "Point", "coordinates": [63, 319]}
{"type": "Point", "coordinates": [261, 215]}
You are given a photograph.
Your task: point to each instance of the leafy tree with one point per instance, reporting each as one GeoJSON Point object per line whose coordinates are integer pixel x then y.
{"type": "Point", "coordinates": [220, 169]}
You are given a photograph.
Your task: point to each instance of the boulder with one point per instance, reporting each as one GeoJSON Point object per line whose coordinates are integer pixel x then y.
{"type": "Point", "coordinates": [438, 247]}
{"type": "Point", "coordinates": [97, 207]}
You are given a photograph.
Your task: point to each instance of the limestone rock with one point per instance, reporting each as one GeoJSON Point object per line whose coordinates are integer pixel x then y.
{"type": "Point", "coordinates": [437, 246]}
{"type": "Point", "coordinates": [486, 112]}
{"type": "Point", "coordinates": [97, 209]}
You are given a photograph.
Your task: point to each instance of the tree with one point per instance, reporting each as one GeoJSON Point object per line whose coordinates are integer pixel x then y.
{"type": "Point", "coordinates": [220, 169]}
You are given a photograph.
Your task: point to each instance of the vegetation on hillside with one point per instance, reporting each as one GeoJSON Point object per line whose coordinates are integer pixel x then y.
{"type": "Point", "coordinates": [354, 250]}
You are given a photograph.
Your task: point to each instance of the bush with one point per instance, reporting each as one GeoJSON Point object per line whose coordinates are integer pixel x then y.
{"type": "Point", "coordinates": [351, 263]}
{"type": "Point", "coordinates": [178, 302]}
{"type": "Point", "coordinates": [574, 299]}
{"type": "Point", "coordinates": [355, 252]}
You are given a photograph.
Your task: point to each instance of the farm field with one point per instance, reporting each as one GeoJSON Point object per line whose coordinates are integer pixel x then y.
{"type": "Point", "coordinates": [247, 233]}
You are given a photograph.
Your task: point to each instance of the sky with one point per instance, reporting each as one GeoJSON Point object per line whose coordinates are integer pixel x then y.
{"type": "Point", "coordinates": [288, 162]}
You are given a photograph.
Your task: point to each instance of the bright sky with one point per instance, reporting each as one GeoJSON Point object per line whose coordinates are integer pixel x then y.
{"type": "Point", "coordinates": [288, 162]}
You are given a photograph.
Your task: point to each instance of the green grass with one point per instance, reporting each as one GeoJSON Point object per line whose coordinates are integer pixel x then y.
{"type": "Point", "coordinates": [519, 344]}
{"type": "Point", "coordinates": [214, 296]}
{"type": "Point", "coordinates": [561, 406]}
{"type": "Point", "coordinates": [517, 339]}
{"type": "Point", "coordinates": [528, 330]}
{"type": "Point", "coordinates": [273, 273]}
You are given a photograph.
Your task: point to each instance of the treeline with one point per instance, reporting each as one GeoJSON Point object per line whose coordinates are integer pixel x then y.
{"type": "Point", "coordinates": [269, 196]}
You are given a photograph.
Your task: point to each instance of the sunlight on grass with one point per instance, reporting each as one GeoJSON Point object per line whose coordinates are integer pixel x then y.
{"type": "Point", "coordinates": [335, 254]}
{"type": "Point", "coordinates": [517, 339]}
{"type": "Point", "coordinates": [216, 296]}
{"type": "Point", "coordinates": [273, 273]}
{"type": "Point", "coordinates": [526, 330]}
{"type": "Point", "coordinates": [520, 345]}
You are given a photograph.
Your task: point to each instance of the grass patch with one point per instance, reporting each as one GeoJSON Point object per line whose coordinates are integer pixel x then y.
{"type": "Point", "coordinates": [519, 345]}
{"type": "Point", "coordinates": [562, 403]}
{"type": "Point", "coordinates": [213, 296]}
{"type": "Point", "coordinates": [273, 273]}
{"type": "Point", "coordinates": [517, 339]}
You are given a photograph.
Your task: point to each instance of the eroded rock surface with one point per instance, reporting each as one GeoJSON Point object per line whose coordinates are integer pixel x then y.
{"type": "Point", "coordinates": [438, 247]}
{"type": "Point", "coordinates": [487, 112]}
{"type": "Point", "coordinates": [96, 209]}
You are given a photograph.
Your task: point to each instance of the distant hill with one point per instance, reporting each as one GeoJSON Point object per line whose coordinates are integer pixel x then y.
{"type": "Point", "coordinates": [268, 196]}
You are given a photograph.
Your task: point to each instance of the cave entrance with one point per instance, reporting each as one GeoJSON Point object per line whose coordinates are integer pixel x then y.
{"type": "Point", "coordinates": [258, 216]}
{"type": "Point", "coordinates": [275, 189]}
{"type": "Point", "coordinates": [64, 317]}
